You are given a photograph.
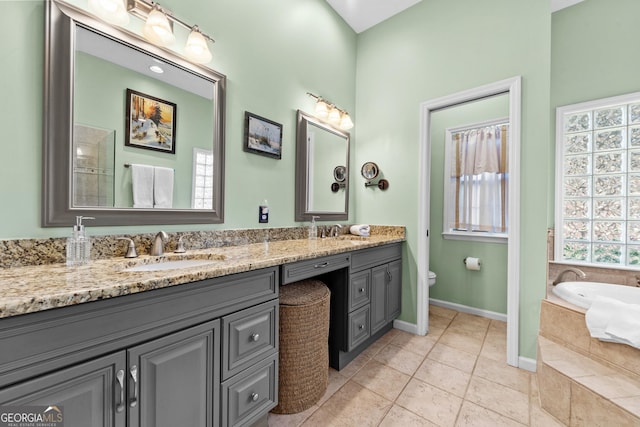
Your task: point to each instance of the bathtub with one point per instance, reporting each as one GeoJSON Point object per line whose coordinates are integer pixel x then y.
{"type": "Point", "coordinates": [582, 294]}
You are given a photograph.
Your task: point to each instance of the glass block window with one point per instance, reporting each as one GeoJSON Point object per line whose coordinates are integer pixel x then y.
{"type": "Point", "coordinates": [598, 182]}
{"type": "Point", "coordinates": [202, 184]}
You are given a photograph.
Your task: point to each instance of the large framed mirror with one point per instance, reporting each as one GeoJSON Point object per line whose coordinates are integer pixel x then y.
{"type": "Point", "coordinates": [321, 150]}
{"type": "Point", "coordinates": [106, 115]}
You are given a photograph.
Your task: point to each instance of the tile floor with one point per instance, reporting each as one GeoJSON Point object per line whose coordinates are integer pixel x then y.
{"type": "Point", "coordinates": [455, 376]}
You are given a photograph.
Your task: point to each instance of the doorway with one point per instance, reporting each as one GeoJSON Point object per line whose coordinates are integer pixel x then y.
{"type": "Point", "coordinates": [511, 87]}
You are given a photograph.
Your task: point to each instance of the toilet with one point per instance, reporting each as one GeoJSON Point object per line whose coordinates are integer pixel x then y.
{"type": "Point", "coordinates": [432, 278]}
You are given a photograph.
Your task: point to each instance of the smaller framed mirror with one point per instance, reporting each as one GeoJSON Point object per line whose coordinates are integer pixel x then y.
{"type": "Point", "coordinates": [369, 171]}
{"type": "Point", "coordinates": [322, 188]}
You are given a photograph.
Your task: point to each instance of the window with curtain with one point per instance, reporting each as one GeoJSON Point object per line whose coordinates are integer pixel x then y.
{"type": "Point", "coordinates": [598, 182]}
{"type": "Point", "coordinates": [477, 182]}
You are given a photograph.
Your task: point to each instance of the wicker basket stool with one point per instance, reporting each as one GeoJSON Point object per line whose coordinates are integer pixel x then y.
{"type": "Point", "coordinates": [304, 348]}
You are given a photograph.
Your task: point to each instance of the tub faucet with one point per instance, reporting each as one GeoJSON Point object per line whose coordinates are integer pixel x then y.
{"type": "Point", "coordinates": [157, 249]}
{"type": "Point", "coordinates": [579, 273]}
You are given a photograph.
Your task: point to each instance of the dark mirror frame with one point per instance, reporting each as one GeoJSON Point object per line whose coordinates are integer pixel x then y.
{"type": "Point", "coordinates": [60, 24]}
{"type": "Point", "coordinates": [301, 212]}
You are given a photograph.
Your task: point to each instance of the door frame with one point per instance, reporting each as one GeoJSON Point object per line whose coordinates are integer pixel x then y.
{"type": "Point", "coordinates": [511, 86]}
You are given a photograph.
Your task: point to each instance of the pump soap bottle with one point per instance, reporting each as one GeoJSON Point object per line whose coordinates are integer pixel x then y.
{"type": "Point", "coordinates": [79, 244]}
{"type": "Point", "coordinates": [313, 228]}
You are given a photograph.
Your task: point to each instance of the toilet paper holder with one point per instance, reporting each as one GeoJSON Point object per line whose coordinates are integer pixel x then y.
{"type": "Point", "coordinates": [465, 261]}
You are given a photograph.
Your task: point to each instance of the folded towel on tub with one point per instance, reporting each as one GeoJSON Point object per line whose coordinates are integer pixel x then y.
{"type": "Point", "coordinates": [615, 321]}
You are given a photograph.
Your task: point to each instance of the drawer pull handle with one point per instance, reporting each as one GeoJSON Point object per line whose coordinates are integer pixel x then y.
{"type": "Point", "coordinates": [255, 397]}
{"type": "Point", "coordinates": [323, 265]}
{"type": "Point", "coordinates": [134, 376]}
{"type": "Point", "coordinates": [361, 327]}
{"type": "Point", "coordinates": [120, 379]}
{"type": "Point", "coordinates": [361, 290]}
{"type": "Point", "coordinates": [255, 337]}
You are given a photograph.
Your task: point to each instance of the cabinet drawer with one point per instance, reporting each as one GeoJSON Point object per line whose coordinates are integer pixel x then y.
{"type": "Point", "coordinates": [371, 257]}
{"type": "Point", "coordinates": [359, 327]}
{"type": "Point", "coordinates": [250, 394]}
{"type": "Point", "coordinates": [359, 289]}
{"type": "Point", "coordinates": [249, 335]}
{"type": "Point", "coordinates": [312, 267]}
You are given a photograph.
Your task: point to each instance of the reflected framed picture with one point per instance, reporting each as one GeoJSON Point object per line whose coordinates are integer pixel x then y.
{"type": "Point", "coordinates": [150, 122]}
{"type": "Point", "coordinates": [262, 136]}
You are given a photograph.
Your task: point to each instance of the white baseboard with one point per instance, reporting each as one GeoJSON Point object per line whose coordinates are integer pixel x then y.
{"type": "Point", "coordinates": [469, 310]}
{"type": "Point", "coordinates": [412, 328]}
{"type": "Point", "coordinates": [527, 363]}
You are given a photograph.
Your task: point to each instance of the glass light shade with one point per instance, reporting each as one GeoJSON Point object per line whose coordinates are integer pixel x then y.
{"type": "Point", "coordinates": [322, 109]}
{"type": "Point", "coordinates": [334, 116]}
{"type": "Point", "coordinates": [157, 29]}
{"type": "Point", "coordinates": [196, 48]}
{"type": "Point", "coordinates": [346, 123]}
{"type": "Point", "coordinates": [111, 11]}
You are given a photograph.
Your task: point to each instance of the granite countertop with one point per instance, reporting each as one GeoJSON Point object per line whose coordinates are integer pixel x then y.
{"type": "Point", "coordinates": [35, 288]}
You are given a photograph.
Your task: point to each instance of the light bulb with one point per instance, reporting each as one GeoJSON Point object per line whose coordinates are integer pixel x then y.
{"type": "Point", "coordinates": [346, 123]}
{"type": "Point", "coordinates": [111, 11]}
{"type": "Point", "coordinates": [157, 29]}
{"type": "Point", "coordinates": [322, 109]}
{"type": "Point", "coordinates": [334, 116]}
{"type": "Point", "coordinates": [196, 48]}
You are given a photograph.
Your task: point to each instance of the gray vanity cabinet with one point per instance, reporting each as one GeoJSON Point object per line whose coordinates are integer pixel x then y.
{"type": "Point", "coordinates": [85, 391]}
{"type": "Point", "coordinates": [151, 359]}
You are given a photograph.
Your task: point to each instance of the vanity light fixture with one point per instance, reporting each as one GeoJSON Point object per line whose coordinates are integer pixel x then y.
{"type": "Point", "coordinates": [328, 111]}
{"type": "Point", "coordinates": [111, 11]}
{"type": "Point", "coordinates": [157, 28]}
{"type": "Point", "coordinates": [158, 25]}
{"type": "Point", "coordinates": [196, 48]}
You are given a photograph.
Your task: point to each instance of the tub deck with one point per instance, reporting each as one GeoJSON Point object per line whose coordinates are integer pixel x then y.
{"type": "Point", "coordinates": [584, 381]}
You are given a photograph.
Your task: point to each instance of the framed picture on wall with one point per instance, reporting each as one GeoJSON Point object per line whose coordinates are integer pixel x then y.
{"type": "Point", "coordinates": [150, 122]}
{"type": "Point", "coordinates": [262, 136]}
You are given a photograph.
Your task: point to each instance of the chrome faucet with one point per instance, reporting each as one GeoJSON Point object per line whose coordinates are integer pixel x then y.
{"type": "Point", "coordinates": [579, 273]}
{"type": "Point", "coordinates": [335, 230]}
{"type": "Point", "coordinates": [157, 249]}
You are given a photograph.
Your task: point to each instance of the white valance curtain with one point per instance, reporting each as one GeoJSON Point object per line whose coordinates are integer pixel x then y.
{"type": "Point", "coordinates": [480, 172]}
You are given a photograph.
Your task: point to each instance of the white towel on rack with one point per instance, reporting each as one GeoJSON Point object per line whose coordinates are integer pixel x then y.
{"type": "Point", "coordinates": [142, 185]}
{"type": "Point", "coordinates": [162, 187]}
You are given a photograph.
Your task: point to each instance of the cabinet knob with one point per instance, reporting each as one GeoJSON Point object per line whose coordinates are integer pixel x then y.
{"type": "Point", "coordinates": [255, 337]}
{"type": "Point", "coordinates": [361, 290]}
{"type": "Point", "coordinates": [255, 397]}
{"type": "Point", "coordinates": [361, 327]}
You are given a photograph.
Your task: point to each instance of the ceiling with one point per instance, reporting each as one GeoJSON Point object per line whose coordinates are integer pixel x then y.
{"type": "Point", "coordinates": [364, 14]}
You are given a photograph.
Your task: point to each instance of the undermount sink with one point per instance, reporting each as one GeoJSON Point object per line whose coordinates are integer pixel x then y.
{"type": "Point", "coordinates": [172, 264]}
{"type": "Point", "coordinates": [351, 237]}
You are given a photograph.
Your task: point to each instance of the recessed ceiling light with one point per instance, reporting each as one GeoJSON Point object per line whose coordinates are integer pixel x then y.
{"type": "Point", "coordinates": [156, 69]}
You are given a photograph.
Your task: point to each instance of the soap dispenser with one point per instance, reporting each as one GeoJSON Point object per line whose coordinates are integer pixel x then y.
{"type": "Point", "coordinates": [313, 228]}
{"type": "Point", "coordinates": [79, 244]}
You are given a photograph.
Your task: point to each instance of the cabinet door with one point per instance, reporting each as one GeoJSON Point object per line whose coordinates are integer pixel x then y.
{"type": "Point", "coordinates": [174, 380]}
{"type": "Point", "coordinates": [394, 290]}
{"type": "Point", "coordinates": [90, 394]}
{"type": "Point", "coordinates": [379, 279]}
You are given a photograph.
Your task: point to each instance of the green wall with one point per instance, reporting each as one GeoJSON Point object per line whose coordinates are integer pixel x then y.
{"type": "Point", "coordinates": [485, 289]}
{"type": "Point", "coordinates": [272, 55]}
{"type": "Point", "coordinates": [435, 49]}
